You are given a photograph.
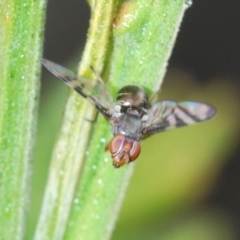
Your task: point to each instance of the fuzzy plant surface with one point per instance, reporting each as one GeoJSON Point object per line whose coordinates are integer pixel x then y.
{"type": "Point", "coordinates": [129, 42]}
{"type": "Point", "coordinates": [21, 24]}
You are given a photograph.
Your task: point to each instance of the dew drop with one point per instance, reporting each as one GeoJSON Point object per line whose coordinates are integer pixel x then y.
{"type": "Point", "coordinates": [188, 4]}
{"type": "Point", "coordinates": [100, 181]}
{"type": "Point", "coordinates": [7, 208]}
{"type": "Point", "coordinates": [59, 155]}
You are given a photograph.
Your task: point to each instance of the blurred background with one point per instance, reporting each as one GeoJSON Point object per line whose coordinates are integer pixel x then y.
{"type": "Point", "coordinates": [186, 184]}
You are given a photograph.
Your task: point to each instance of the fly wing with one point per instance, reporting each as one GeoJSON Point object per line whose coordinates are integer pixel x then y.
{"type": "Point", "coordinates": [94, 91]}
{"type": "Point", "coordinates": [169, 114]}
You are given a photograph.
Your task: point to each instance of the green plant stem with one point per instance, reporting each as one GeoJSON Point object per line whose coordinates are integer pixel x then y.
{"type": "Point", "coordinates": [21, 24]}
{"type": "Point", "coordinates": [69, 152]}
{"type": "Point", "coordinates": [141, 48]}
{"type": "Point", "coordinates": [142, 43]}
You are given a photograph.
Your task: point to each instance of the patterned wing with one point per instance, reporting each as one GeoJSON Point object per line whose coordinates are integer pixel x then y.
{"type": "Point", "coordinates": [169, 114]}
{"type": "Point", "coordinates": [94, 91]}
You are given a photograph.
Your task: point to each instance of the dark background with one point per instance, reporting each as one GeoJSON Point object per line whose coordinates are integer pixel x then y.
{"type": "Point", "coordinates": [208, 45]}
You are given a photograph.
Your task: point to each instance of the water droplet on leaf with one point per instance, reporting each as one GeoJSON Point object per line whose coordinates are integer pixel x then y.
{"type": "Point", "coordinates": [188, 3]}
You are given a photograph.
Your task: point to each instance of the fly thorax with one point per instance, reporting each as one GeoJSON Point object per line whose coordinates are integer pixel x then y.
{"type": "Point", "coordinates": [127, 121]}
{"type": "Point", "coordinates": [116, 111]}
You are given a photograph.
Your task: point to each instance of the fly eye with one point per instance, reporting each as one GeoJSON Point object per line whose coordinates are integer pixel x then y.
{"type": "Point", "coordinates": [135, 150]}
{"type": "Point", "coordinates": [123, 150]}
{"type": "Point", "coordinates": [116, 144]}
{"type": "Point", "coordinates": [117, 149]}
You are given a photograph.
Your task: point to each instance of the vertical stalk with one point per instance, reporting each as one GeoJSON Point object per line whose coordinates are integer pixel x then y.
{"type": "Point", "coordinates": [21, 24]}
{"type": "Point", "coordinates": [142, 35]}
{"type": "Point", "coordinates": [70, 150]}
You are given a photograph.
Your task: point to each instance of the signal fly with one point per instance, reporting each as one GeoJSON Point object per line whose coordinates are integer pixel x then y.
{"type": "Point", "coordinates": [131, 116]}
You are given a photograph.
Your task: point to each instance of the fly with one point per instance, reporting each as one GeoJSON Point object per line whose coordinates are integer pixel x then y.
{"type": "Point", "coordinates": [131, 116]}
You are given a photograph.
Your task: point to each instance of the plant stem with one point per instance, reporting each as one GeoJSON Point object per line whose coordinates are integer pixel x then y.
{"type": "Point", "coordinates": [20, 46]}
{"type": "Point", "coordinates": [70, 149]}
{"type": "Point", "coordinates": [141, 44]}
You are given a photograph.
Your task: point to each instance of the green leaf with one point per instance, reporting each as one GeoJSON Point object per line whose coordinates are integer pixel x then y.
{"type": "Point", "coordinates": [21, 25]}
